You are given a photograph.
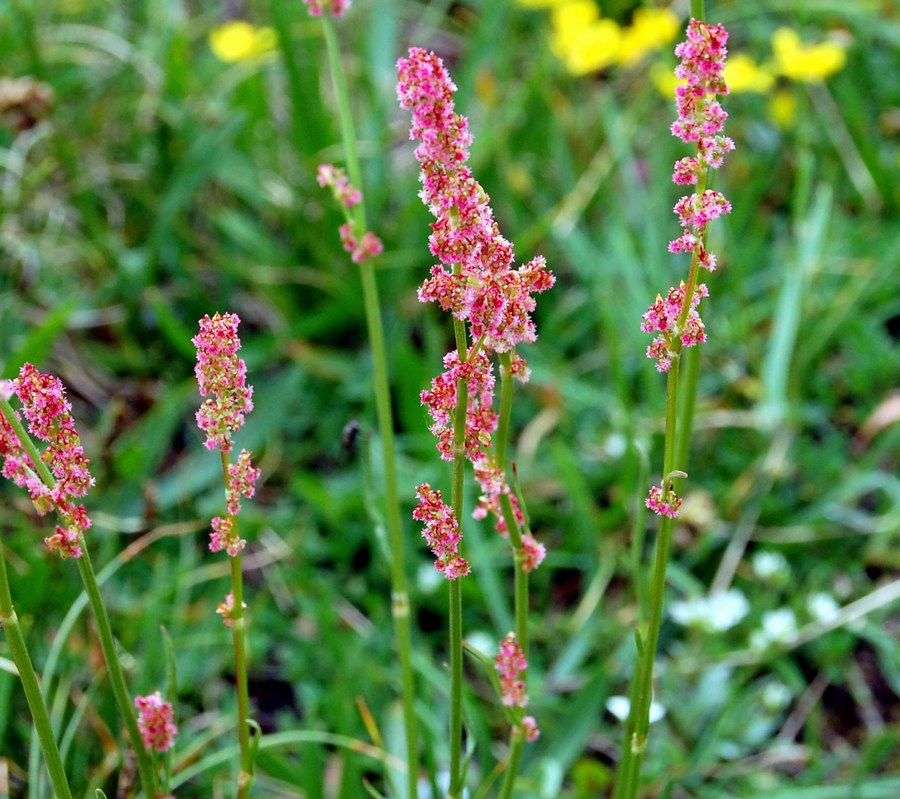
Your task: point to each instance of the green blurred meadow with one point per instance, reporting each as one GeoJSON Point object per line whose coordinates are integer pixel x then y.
{"type": "Point", "coordinates": [145, 182]}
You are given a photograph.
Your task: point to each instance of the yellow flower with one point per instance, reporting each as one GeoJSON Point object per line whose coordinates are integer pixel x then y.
{"type": "Point", "coordinates": [663, 77]}
{"type": "Point", "coordinates": [783, 108]}
{"type": "Point", "coordinates": [743, 74]}
{"type": "Point", "coordinates": [650, 29]}
{"type": "Point", "coordinates": [812, 62]}
{"type": "Point", "coordinates": [581, 40]}
{"type": "Point", "coordinates": [238, 40]}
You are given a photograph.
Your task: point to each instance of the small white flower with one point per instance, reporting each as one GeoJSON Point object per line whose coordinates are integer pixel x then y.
{"type": "Point", "coordinates": [775, 696]}
{"type": "Point", "coordinates": [6, 390]}
{"type": "Point", "coordinates": [727, 608]}
{"type": "Point", "coordinates": [822, 607]}
{"type": "Point", "coordinates": [620, 707]}
{"type": "Point", "coordinates": [717, 612]}
{"type": "Point", "coordinates": [768, 565]}
{"type": "Point", "coordinates": [778, 627]}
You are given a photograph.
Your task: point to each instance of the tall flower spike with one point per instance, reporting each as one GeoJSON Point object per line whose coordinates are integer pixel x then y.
{"type": "Point", "coordinates": [475, 279]}
{"type": "Point", "coordinates": [700, 122]}
{"type": "Point", "coordinates": [222, 378]}
{"type": "Point", "coordinates": [49, 417]}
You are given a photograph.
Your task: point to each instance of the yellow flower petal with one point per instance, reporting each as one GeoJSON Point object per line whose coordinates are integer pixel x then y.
{"type": "Point", "coordinates": [589, 49]}
{"type": "Point", "coordinates": [238, 40]}
{"type": "Point", "coordinates": [743, 74]}
{"type": "Point", "coordinates": [651, 28]}
{"type": "Point", "coordinates": [570, 18]}
{"type": "Point", "coordinates": [813, 62]}
{"type": "Point", "coordinates": [581, 40]}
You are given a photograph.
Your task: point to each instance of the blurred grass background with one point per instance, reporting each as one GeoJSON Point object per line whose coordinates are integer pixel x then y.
{"type": "Point", "coordinates": [146, 182]}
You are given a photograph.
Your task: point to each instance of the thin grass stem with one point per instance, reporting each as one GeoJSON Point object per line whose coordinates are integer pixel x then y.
{"type": "Point", "coordinates": [400, 602]}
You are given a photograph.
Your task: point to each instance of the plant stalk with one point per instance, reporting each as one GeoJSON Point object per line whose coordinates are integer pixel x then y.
{"type": "Point", "coordinates": [39, 715]}
{"type": "Point", "coordinates": [400, 603]}
{"type": "Point", "coordinates": [455, 610]}
{"type": "Point", "coordinates": [239, 640]}
{"type": "Point", "coordinates": [517, 734]}
{"type": "Point", "coordinates": [116, 675]}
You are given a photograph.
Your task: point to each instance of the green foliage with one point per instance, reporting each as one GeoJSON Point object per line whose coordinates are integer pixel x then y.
{"type": "Point", "coordinates": [162, 184]}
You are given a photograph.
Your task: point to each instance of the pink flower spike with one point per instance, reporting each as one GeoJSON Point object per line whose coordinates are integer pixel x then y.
{"type": "Point", "coordinates": [475, 279]}
{"type": "Point", "coordinates": [335, 178]}
{"type": "Point", "coordinates": [224, 536]}
{"type": "Point", "coordinates": [510, 663]}
{"type": "Point", "coordinates": [222, 378]}
{"type": "Point", "coordinates": [663, 503]}
{"type": "Point", "coordinates": [441, 532]}
{"type": "Point", "coordinates": [361, 249]}
{"type": "Point", "coordinates": [241, 479]}
{"type": "Point", "coordinates": [534, 553]}
{"type": "Point", "coordinates": [532, 733]}
{"type": "Point", "coordinates": [155, 722]}
{"type": "Point", "coordinates": [48, 412]}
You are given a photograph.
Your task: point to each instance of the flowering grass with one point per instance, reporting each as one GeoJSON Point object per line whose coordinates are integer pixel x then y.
{"type": "Point", "coordinates": [162, 183]}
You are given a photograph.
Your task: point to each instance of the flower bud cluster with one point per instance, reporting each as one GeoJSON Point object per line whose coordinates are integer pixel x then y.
{"type": "Point", "coordinates": [700, 121]}
{"type": "Point", "coordinates": [337, 8]}
{"type": "Point", "coordinates": [156, 722]}
{"type": "Point", "coordinates": [226, 610]}
{"type": "Point", "coordinates": [335, 178]}
{"type": "Point", "coordinates": [475, 279]}
{"type": "Point", "coordinates": [222, 378]}
{"type": "Point", "coordinates": [347, 195]}
{"type": "Point", "coordinates": [510, 664]}
{"type": "Point", "coordinates": [662, 318]}
{"type": "Point", "coordinates": [675, 318]}
{"type": "Point", "coordinates": [663, 503]}
{"type": "Point", "coordinates": [49, 417]}
{"type": "Point", "coordinates": [441, 532]}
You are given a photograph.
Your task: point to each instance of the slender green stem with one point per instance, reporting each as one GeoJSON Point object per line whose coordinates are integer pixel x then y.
{"type": "Point", "coordinates": [383, 407]}
{"type": "Point", "coordinates": [456, 670]}
{"type": "Point", "coordinates": [638, 724]}
{"type": "Point", "coordinates": [10, 623]}
{"type": "Point", "coordinates": [238, 635]}
{"type": "Point", "coordinates": [345, 116]}
{"type": "Point", "coordinates": [516, 744]}
{"type": "Point", "coordinates": [239, 640]}
{"type": "Point", "coordinates": [456, 493]}
{"type": "Point", "coordinates": [687, 404]}
{"type": "Point", "coordinates": [501, 446]}
{"type": "Point", "coordinates": [116, 675]}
